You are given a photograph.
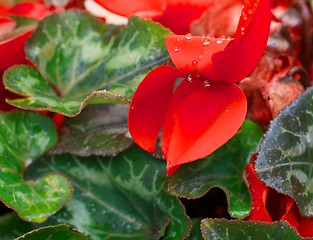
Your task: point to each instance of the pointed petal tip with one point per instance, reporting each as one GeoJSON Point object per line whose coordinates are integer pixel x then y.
{"type": "Point", "coordinates": [170, 170]}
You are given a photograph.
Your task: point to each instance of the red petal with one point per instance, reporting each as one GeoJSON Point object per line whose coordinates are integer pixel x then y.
{"type": "Point", "coordinates": [149, 105]}
{"type": "Point", "coordinates": [243, 54]}
{"type": "Point", "coordinates": [291, 211]}
{"type": "Point", "coordinates": [30, 9]}
{"type": "Point", "coordinates": [193, 55]}
{"type": "Point", "coordinates": [12, 51]}
{"type": "Point", "coordinates": [306, 227]}
{"type": "Point", "coordinates": [185, 11]}
{"type": "Point", "coordinates": [259, 193]}
{"type": "Point", "coordinates": [144, 8]}
{"type": "Point", "coordinates": [200, 120]}
{"type": "Point", "coordinates": [7, 25]}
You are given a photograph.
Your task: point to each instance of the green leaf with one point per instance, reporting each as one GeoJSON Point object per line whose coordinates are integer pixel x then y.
{"type": "Point", "coordinates": [285, 161]}
{"type": "Point", "coordinates": [23, 138]}
{"type": "Point", "coordinates": [221, 229]}
{"type": "Point", "coordinates": [11, 226]}
{"type": "Point", "coordinates": [224, 168]}
{"type": "Point", "coordinates": [195, 233]}
{"type": "Point", "coordinates": [81, 61]}
{"type": "Point", "coordinates": [24, 21]}
{"type": "Point", "coordinates": [58, 232]}
{"type": "Point", "coordinates": [99, 130]}
{"type": "Point", "coordinates": [122, 197]}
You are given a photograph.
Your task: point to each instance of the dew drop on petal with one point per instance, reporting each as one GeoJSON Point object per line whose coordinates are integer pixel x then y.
{"type": "Point", "coordinates": [206, 83]}
{"type": "Point", "coordinates": [206, 42]}
{"type": "Point", "coordinates": [187, 67]}
{"type": "Point", "coordinates": [219, 40]}
{"type": "Point", "coordinates": [188, 36]}
{"type": "Point", "coordinates": [189, 78]}
{"type": "Point", "coordinates": [223, 38]}
{"type": "Point", "coordinates": [228, 38]}
{"type": "Point", "coordinates": [194, 63]}
{"type": "Point", "coordinates": [176, 49]}
{"type": "Point", "coordinates": [200, 57]}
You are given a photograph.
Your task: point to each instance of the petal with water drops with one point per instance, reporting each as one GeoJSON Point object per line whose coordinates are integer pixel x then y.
{"type": "Point", "coordinates": [243, 53]}
{"type": "Point", "coordinates": [193, 54]}
{"type": "Point", "coordinates": [149, 105]}
{"type": "Point", "coordinates": [198, 123]}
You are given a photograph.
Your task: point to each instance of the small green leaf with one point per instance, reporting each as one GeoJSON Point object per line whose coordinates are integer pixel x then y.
{"type": "Point", "coordinates": [221, 229]}
{"type": "Point", "coordinates": [122, 197]}
{"type": "Point", "coordinates": [82, 60]}
{"type": "Point", "coordinates": [58, 232]}
{"type": "Point", "coordinates": [224, 169]}
{"type": "Point", "coordinates": [11, 226]}
{"type": "Point", "coordinates": [285, 161]}
{"type": "Point", "coordinates": [23, 138]}
{"type": "Point", "coordinates": [195, 233]}
{"type": "Point", "coordinates": [99, 130]}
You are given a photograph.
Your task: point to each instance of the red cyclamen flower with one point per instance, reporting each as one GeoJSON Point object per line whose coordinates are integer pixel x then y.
{"type": "Point", "coordinates": [207, 108]}
{"type": "Point", "coordinates": [174, 14]}
{"type": "Point", "coordinates": [278, 206]}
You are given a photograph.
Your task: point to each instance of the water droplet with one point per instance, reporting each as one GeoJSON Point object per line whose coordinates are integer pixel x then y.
{"type": "Point", "coordinates": [176, 49]}
{"type": "Point", "coordinates": [219, 40]}
{"type": "Point", "coordinates": [228, 38]}
{"type": "Point", "coordinates": [194, 63]}
{"type": "Point", "coordinates": [227, 110]}
{"type": "Point", "coordinates": [200, 57]}
{"type": "Point", "coordinates": [189, 78]}
{"type": "Point", "coordinates": [206, 42]}
{"type": "Point", "coordinates": [187, 67]}
{"type": "Point", "coordinates": [206, 83]}
{"type": "Point", "coordinates": [132, 107]}
{"type": "Point", "coordinates": [223, 38]}
{"type": "Point", "coordinates": [188, 36]}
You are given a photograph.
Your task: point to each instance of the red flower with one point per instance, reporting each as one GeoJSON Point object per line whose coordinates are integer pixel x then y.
{"type": "Point", "coordinates": [174, 14]}
{"type": "Point", "coordinates": [207, 108]}
{"type": "Point", "coordinates": [269, 205]}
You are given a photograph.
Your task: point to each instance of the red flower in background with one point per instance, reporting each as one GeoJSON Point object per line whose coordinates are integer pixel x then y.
{"type": "Point", "coordinates": [269, 205]}
{"type": "Point", "coordinates": [174, 14]}
{"type": "Point", "coordinates": [207, 108]}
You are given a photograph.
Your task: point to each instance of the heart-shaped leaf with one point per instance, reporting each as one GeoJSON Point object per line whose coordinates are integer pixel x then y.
{"type": "Point", "coordinates": [99, 130]}
{"type": "Point", "coordinates": [224, 168]}
{"type": "Point", "coordinates": [58, 232]}
{"type": "Point", "coordinates": [285, 161]}
{"type": "Point", "coordinates": [23, 138]}
{"type": "Point", "coordinates": [221, 229]}
{"type": "Point", "coordinates": [82, 60]}
{"type": "Point", "coordinates": [122, 197]}
{"type": "Point", "coordinates": [11, 226]}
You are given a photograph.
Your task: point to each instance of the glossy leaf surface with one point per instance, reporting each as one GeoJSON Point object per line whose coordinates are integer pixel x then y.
{"type": "Point", "coordinates": [285, 161]}
{"type": "Point", "coordinates": [82, 60]}
{"type": "Point", "coordinates": [123, 197]}
{"type": "Point", "coordinates": [220, 229]}
{"type": "Point", "coordinates": [23, 138]}
{"type": "Point", "coordinates": [58, 232]}
{"type": "Point", "coordinates": [98, 130]}
{"type": "Point", "coordinates": [224, 168]}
